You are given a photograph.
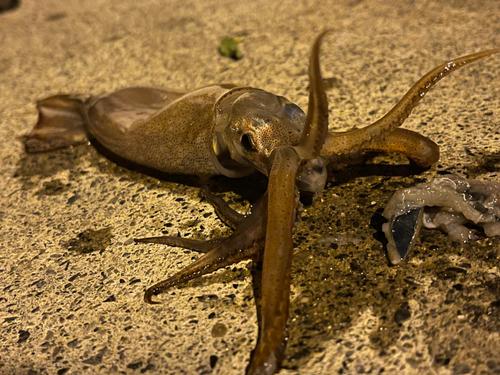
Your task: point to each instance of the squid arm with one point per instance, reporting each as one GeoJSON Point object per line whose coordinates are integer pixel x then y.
{"type": "Point", "coordinates": [283, 199]}
{"type": "Point", "coordinates": [374, 136]}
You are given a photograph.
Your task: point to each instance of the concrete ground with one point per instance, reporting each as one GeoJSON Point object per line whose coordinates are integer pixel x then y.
{"type": "Point", "coordinates": [72, 280]}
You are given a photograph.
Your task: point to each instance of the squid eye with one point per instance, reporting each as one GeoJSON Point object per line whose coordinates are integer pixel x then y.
{"type": "Point", "coordinates": [247, 142]}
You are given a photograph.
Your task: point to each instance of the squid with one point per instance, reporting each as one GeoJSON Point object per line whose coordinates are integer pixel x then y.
{"type": "Point", "coordinates": [233, 131]}
{"type": "Point", "coordinates": [448, 203]}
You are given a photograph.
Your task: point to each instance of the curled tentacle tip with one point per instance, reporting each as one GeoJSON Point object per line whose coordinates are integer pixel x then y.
{"type": "Point", "coordinates": [326, 31]}
{"type": "Point", "coordinates": [149, 301]}
{"type": "Point", "coordinates": [149, 294]}
{"type": "Point", "coordinates": [322, 34]}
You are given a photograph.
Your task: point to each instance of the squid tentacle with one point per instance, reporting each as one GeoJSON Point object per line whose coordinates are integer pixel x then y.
{"type": "Point", "coordinates": [276, 272]}
{"type": "Point", "coordinates": [229, 216]}
{"type": "Point", "coordinates": [186, 243]}
{"type": "Point", "coordinates": [217, 258]}
{"type": "Point", "coordinates": [360, 139]}
{"type": "Point", "coordinates": [226, 253]}
{"type": "Point", "coordinates": [422, 150]}
{"type": "Point", "coordinates": [316, 126]}
{"type": "Point", "coordinates": [283, 196]}
{"type": "Point", "coordinates": [244, 243]}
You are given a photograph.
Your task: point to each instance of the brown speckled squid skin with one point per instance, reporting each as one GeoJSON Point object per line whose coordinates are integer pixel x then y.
{"type": "Point", "coordinates": [283, 199]}
{"type": "Point", "coordinates": [150, 143]}
{"type": "Point", "coordinates": [232, 131]}
{"type": "Point", "coordinates": [373, 137]}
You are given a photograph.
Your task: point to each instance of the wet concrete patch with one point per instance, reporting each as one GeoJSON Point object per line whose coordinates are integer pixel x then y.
{"type": "Point", "coordinates": [90, 241]}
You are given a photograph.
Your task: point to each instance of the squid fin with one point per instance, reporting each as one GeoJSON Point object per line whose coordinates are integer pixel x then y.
{"type": "Point", "coordinates": [61, 124]}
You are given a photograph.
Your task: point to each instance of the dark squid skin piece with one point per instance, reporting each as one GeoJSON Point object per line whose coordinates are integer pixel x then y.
{"type": "Point", "coordinates": [291, 149]}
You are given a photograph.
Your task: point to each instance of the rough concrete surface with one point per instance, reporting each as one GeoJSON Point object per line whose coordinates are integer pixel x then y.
{"type": "Point", "coordinates": [72, 280]}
